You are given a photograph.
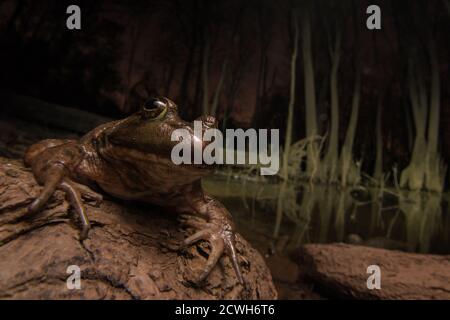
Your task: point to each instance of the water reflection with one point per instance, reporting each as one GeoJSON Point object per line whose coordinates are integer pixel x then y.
{"type": "Point", "coordinates": [315, 213]}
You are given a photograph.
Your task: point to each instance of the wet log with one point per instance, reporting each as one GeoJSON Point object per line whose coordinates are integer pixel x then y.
{"type": "Point", "coordinates": [340, 270]}
{"type": "Point", "coordinates": [131, 251]}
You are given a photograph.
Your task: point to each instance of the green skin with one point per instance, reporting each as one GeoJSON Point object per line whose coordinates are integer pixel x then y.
{"type": "Point", "coordinates": [130, 159]}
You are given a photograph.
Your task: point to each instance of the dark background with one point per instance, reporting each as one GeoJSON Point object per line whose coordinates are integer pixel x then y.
{"type": "Point", "coordinates": [127, 51]}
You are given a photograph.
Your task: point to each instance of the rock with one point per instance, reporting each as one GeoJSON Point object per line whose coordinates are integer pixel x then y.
{"type": "Point", "coordinates": [340, 270]}
{"type": "Point", "coordinates": [379, 242]}
{"type": "Point", "coordinates": [130, 252]}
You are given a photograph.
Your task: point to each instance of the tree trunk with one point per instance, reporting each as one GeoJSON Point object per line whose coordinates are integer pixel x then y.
{"type": "Point", "coordinates": [219, 86]}
{"type": "Point", "coordinates": [349, 169]}
{"type": "Point", "coordinates": [289, 120]}
{"type": "Point", "coordinates": [332, 154]}
{"type": "Point", "coordinates": [378, 172]}
{"type": "Point", "coordinates": [310, 96]}
{"type": "Point", "coordinates": [205, 76]}
{"type": "Point", "coordinates": [135, 36]}
{"type": "Point", "coordinates": [435, 168]}
{"type": "Point", "coordinates": [413, 176]}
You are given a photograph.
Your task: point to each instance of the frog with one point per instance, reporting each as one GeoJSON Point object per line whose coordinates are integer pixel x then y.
{"type": "Point", "coordinates": [130, 159]}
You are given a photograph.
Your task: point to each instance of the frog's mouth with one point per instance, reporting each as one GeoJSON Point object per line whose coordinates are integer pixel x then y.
{"type": "Point", "coordinates": [196, 160]}
{"type": "Point", "coordinates": [195, 145]}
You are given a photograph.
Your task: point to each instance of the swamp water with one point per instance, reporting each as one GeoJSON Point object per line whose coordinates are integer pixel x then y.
{"type": "Point", "coordinates": [313, 213]}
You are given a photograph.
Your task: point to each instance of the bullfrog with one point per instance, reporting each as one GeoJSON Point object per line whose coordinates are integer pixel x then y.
{"type": "Point", "coordinates": [131, 159]}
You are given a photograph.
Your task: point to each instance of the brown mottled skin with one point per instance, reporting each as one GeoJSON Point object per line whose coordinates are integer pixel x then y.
{"type": "Point", "coordinates": [130, 159]}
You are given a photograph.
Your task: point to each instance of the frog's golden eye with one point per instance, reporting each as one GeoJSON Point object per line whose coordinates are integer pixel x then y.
{"type": "Point", "coordinates": [154, 108]}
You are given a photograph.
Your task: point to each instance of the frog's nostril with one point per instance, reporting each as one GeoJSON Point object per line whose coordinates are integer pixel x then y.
{"type": "Point", "coordinates": [209, 121]}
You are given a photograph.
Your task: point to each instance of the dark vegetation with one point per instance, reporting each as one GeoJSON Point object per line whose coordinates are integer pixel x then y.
{"type": "Point", "coordinates": [232, 58]}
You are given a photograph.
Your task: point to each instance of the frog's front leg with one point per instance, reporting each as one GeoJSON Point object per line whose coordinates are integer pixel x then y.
{"type": "Point", "coordinates": [53, 171]}
{"type": "Point", "coordinates": [217, 229]}
{"type": "Point", "coordinates": [53, 176]}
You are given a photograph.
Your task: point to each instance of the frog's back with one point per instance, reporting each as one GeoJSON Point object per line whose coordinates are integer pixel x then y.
{"type": "Point", "coordinates": [38, 148]}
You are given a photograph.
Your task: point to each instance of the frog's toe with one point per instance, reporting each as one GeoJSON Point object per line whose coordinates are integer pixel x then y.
{"type": "Point", "coordinates": [84, 232]}
{"type": "Point", "coordinates": [96, 198]}
{"type": "Point", "coordinates": [230, 247]}
{"type": "Point", "coordinates": [200, 235]}
{"type": "Point", "coordinates": [194, 222]}
{"type": "Point", "coordinates": [217, 248]}
{"type": "Point", "coordinates": [220, 241]}
{"type": "Point", "coordinates": [87, 193]}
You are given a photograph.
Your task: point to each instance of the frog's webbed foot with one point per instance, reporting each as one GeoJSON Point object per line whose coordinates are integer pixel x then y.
{"type": "Point", "coordinates": [219, 232]}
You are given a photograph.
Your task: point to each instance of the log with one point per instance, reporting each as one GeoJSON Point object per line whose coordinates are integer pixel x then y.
{"type": "Point", "coordinates": [49, 114]}
{"type": "Point", "coordinates": [131, 251]}
{"type": "Point", "coordinates": [340, 270]}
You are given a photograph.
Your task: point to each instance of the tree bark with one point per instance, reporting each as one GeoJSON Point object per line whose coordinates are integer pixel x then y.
{"type": "Point", "coordinates": [340, 270]}
{"type": "Point", "coordinates": [131, 251]}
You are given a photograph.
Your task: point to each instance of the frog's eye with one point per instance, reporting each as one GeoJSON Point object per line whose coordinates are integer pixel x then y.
{"type": "Point", "coordinates": [154, 108]}
{"type": "Point", "coordinates": [154, 103]}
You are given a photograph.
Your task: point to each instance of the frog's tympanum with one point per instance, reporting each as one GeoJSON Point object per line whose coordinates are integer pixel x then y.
{"type": "Point", "coordinates": [131, 159]}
